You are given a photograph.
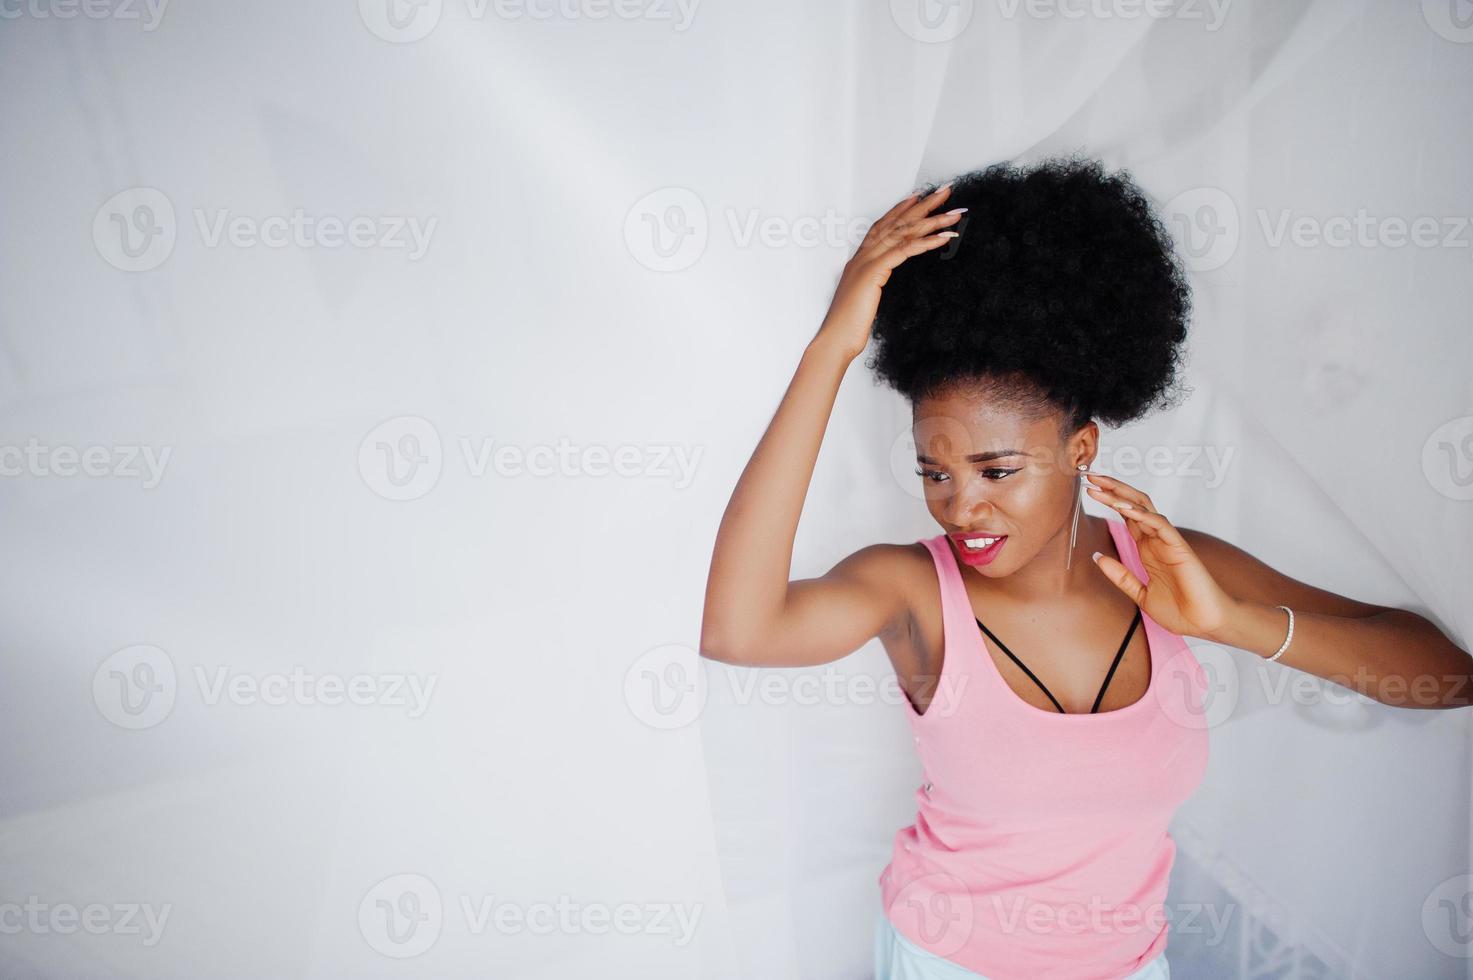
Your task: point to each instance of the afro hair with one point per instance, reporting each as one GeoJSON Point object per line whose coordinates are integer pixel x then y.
{"type": "Point", "coordinates": [1063, 292]}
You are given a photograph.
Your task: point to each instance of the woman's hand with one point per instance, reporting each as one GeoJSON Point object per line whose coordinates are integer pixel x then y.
{"type": "Point", "coordinates": [905, 230]}
{"type": "Point", "coordinates": [1181, 595]}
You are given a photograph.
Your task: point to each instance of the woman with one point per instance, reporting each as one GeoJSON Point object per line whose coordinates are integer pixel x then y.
{"type": "Point", "coordinates": [1055, 705]}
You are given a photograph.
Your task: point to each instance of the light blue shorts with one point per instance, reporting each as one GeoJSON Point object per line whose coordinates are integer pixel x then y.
{"type": "Point", "coordinates": [897, 958]}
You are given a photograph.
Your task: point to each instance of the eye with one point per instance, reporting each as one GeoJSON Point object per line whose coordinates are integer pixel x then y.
{"type": "Point", "coordinates": [992, 473]}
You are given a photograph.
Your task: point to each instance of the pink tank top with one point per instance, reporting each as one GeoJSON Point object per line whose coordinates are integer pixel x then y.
{"type": "Point", "coordinates": [1040, 847]}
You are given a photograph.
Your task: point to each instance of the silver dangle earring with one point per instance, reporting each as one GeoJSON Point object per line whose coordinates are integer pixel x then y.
{"type": "Point", "coordinates": [1074, 527]}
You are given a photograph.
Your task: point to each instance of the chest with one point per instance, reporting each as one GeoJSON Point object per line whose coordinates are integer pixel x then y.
{"type": "Point", "coordinates": [1026, 765]}
{"type": "Point", "coordinates": [1071, 651]}
{"type": "Point", "coordinates": [1099, 665]}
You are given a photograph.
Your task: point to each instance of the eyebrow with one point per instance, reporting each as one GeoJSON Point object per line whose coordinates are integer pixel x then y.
{"type": "Point", "coordinates": [979, 457]}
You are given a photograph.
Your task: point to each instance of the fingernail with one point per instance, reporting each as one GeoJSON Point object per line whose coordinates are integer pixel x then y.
{"type": "Point", "coordinates": [949, 234]}
{"type": "Point", "coordinates": [1124, 506]}
{"type": "Point", "coordinates": [1096, 556]}
{"type": "Point", "coordinates": [956, 211]}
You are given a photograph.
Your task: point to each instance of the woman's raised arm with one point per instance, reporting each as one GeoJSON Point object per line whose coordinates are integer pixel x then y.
{"type": "Point", "coordinates": [753, 615]}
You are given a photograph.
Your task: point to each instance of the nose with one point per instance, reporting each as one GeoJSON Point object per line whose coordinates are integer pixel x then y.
{"type": "Point", "coordinates": [967, 507]}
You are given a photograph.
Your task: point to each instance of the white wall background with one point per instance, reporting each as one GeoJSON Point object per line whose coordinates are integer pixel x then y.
{"type": "Point", "coordinates": [584, 185]}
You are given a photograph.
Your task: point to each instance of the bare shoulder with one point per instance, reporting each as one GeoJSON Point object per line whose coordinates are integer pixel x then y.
{"type": "Point", "coordinates": [912, 638]}
{"type": "Point", "coordinates": [900, 573]}
{"type": "Point", "coordinates": [903, 574]}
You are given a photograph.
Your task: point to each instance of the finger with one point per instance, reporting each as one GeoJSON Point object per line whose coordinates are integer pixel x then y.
{"type": "Point", "coordinates": [885, 260]}
{"type": "Point", "coordinates": [1111, 498]}
{"type": "Point", "coordinates": [928, 203]}
{"type": "Point", "coordinates": [899, 206]}
{"type": "Point", "coordinates": [1153, 524]}
{"type": "Point", "coordinates": [1121, 576]}
{"type": "Point", "coordinates": [925, 226]}
{"type": "Point", "coordinates": [916, 246]}
{"type": "Point", "coordinates": [888, 218]}
{"type": "Point", "coordinates": [899, 233]}
{"type": "Point", "coordinates": [1120, 490]}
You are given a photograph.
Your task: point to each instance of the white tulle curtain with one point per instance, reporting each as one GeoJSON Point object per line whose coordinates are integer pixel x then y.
{"type": "Point", "coordinates": [413, 351]}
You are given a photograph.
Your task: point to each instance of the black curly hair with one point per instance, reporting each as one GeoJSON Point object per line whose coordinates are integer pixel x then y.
{"type": "Point", "coordinates": [1063, 294]}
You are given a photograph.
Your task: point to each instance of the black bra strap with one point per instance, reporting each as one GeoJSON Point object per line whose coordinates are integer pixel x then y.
{"type": "Point", "coordinates": [1020, 663]}
{"type": "Point", "coordinates": [1116, 663]}
{"type": "Point", "coordinates": [1134, 622]}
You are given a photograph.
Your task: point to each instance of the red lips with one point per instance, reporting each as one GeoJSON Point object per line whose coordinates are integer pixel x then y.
{"type": "Point", "coordinates": [976, 556]}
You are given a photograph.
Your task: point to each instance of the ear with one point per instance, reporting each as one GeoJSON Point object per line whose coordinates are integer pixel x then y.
{"type": "Point", "coordinates": [1082, 445]}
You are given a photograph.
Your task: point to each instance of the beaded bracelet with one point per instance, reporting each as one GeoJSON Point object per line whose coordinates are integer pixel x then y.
{"type": "Point", "coordinates": [1287, 638]}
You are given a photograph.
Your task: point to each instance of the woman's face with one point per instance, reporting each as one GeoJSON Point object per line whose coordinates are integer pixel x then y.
{"type": "Point", "coordinates": [989, 472]}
